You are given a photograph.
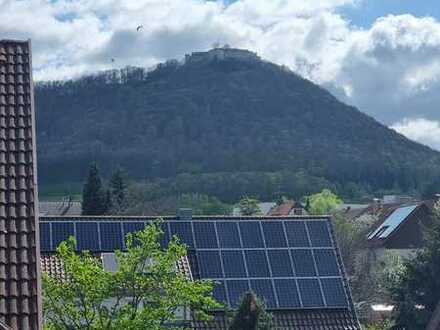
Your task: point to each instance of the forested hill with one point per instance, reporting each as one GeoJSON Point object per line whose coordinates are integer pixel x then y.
{"type": "Point", "coordinates": [222, 111]}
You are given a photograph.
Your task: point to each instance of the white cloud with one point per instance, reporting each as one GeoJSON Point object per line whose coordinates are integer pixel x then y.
{"type": "Point", "coordinates": [421, 130]}
{"type": "Point", "coordinates": [390, 70]}
{"type": "Point", "coordinates": [74, 37]}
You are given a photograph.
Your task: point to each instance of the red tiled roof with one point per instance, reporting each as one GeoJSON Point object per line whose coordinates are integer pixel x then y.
{"type": "Point", "coordinates": [281, 210]}
{"type": "Point", "coordinates": [20, 292]}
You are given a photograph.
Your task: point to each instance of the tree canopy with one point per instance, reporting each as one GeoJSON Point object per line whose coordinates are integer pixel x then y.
{"type": "Point", "coordinates": [145, 292]}
{"type": "Point", "coordinates": [94, 199]}
{"type": "Point", "coordinates": [251, 314]}
{"type": "Point", "coordinates": [249, 206]}
{"type": "Point", "coordinates": [323, 202]}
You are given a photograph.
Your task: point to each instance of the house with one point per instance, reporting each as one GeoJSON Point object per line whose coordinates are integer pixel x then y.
{"type": "Point", "coordinates": [20, 289]}
{"type": "Point", "coordinates": [287, 208]}
{"type": "Point", "coordinates": [293, 262]}
{"type": "Point", "coordinates": [400, 229]}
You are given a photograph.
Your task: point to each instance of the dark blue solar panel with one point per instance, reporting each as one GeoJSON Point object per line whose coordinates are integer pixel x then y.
{"type": "Point", "coordinates": [61, 231]}
{"type": "Point", "coordinates": [87, 237]}
{"type": "Point", "coordinates": [264, 290]}
{"type": "Point", "coordinates": [111, 236]}
{"type": "Point", "coordinates": [236, 290]}
{"type": "Point", "coordinates": [205, 235]}
{"type": "Point", "coordinates": [233, 264]}
{"type": "Point", "coordinates": [297, 233]}
{"type": "Point", "coordinates": [209, 264]}
{"type": "Point", "coordinates": [165, 238]}
{"type": "Point", "coordinates": [326, 262]}
{"type": "Point", "coordinates": [131, 227]}
{"type": "Point", "coordinates": [303, 263]}
{"type": "Point", "coordinates": [274, 234]}
{"type": "Point", "coordinates": [280, 263]}
{"type": "Point", "coordinates": [228, 235]}
{"type": "Point", "coordinates": [287, 293]}
{"type": "Point", "coordinates": [257, 263]}
{"type": "Point", "coordinates": [45, 240]}
{"type": "Point", "coordinates": [251, 234]}
{"type": "Point", "coordinates": [319, 233]}
{"type": "Point", "coordinates": [182, 230]}
{"type": "Point", "coordinates": [219, 292]}
{"type": "Point", "coordinates": [334, 292]}
{"type": "Point", "coordinates": [310, 293]}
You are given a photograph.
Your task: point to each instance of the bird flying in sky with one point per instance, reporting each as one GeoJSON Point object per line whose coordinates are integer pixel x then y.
{"type": "Point", "coordinates": [140, 27]}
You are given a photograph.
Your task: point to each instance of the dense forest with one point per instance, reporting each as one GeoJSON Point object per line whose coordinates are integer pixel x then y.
{"type": "Point", "coordinates": [222, 126]}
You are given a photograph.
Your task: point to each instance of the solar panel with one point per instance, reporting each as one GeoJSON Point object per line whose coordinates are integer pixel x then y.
{"type": "Point", "coordinates": [393, 221]}
{"type": "Point", "coordinates": [45, 239]}
{"type": "Point", "coordinates": [209, 264]}
{"type": "Point", "coordinates": [111, 236]}
{"type": "Point", "coordinates": [274, 234]}
{"type": "Point", "coordinates": [233, 264]}
{"type": "Point", "coordinates": [326, 262]}
{"type": "Point", "coordinates": [165, 239]}
{"type": "Point", "coordinates": [132, 227]}
{"type": "Point", "coordinates": [289, 263]}
{"type": "Point", "coordinates": [287, 293]}
{"type": "Point", "coordinates": [334, 292]}
{"type": "Point", "coordinates": [219, 292]}
{"type": "Point", "coordinates": [310, 292]}
{"type": "Point", "coordinates": [319, 233]}
{"type": "Point", "coordinates": [297, 234]}
{"type": "Point", "coordinates": [264, 290]}
{"type": "Point", "coordinates": [303, 263]}
{"type": "Point", "coordinates": [256, 262]}
{"type": "Point", "coordinates": [228, 235]}
{"type": "Point", "coordinates": [183, 230]}
{"type": "Point", "coordinates": [205, 235]}
{"type": "Point", "coordinates": [87, 237]}
{"type": "Point", "coordinates": [61, 231]}
{"type": "Point", "coordinates": [236, 290]}
{"type": "Point", "coordinates": [280, 263]}
{"type": "Point", "coordinates": [251, 234]}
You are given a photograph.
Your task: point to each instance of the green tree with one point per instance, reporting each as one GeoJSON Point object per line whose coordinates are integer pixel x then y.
{"type": "Point", "coordinates": [94, 195]}
{"type": "Point", "coordinates": [204, 205]}
{"type": "Point", "coordinates": [249, 206]}
{"type": "Point", "coordinates": [251, 315]}
{"type": "Point", "coordinates": [416, 292]}
{"type": "Point", "coordinates": [145, 292]}
{"type": "Point", "coordinates": [118, 190]}
{"type": "Point", "coordinates": [323, 202]}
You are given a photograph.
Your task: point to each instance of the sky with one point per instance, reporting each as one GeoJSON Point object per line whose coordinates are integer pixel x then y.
{"type": "Point", "coordinates": [382, 56]}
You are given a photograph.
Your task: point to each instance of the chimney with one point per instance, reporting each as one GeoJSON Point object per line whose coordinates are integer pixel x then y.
{"type": "Point", "coordinates": [184, 214]}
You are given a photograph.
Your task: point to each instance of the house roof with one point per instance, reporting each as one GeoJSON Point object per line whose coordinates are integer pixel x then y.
{"type": "Point", "coordinates": [291, 262]}
{"type": "Point", "coordinates": [53, 266]}
{"type": "Point", "coordinates": [63, 207]}
{"type": "Point", "coordinates": [20, 293]}
{"type": "Point", "coordinates": [393, 218]}
{"type": "Point", "coordinates": [393, 221]}
{"type": "Point", "coordinates": [285, 208]}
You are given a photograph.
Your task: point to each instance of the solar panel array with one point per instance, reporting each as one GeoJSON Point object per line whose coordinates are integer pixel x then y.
{"type": "Point", "coordinates": [291, 263]}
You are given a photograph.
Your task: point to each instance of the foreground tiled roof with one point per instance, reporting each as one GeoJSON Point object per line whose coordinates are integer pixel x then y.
{"type": "Point", "coordinates": [53, 266]}
{"type": "Point", "coordinates": [20, 296]}
{"type": "Point", "coordinates": [295, 319]}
